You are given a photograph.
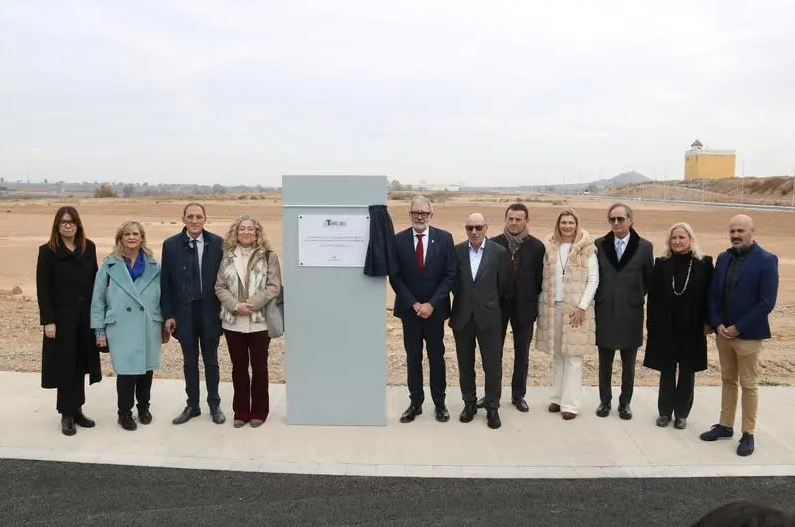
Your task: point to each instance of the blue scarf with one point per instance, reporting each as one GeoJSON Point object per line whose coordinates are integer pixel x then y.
{"type": "Point", "coordinates": [138, 268]}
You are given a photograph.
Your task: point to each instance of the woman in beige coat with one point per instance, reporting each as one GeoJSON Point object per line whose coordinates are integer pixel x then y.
{"type": "Point", "coordinates": [566, 326]}
{"type": "Point", "coordinates": [249, 277]}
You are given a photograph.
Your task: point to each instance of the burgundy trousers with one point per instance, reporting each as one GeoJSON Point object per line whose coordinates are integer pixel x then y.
{"type": "Point", "coordinates": [250, 399]}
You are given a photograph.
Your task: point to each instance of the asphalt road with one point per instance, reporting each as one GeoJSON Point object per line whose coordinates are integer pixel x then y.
{"type": "Point", "coordinates": [39, 493]}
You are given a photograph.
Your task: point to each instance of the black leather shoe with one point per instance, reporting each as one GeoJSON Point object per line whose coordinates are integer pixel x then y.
{"type": "Point", "coordinates": [187, 414]}
{"type": "Point", "coordinates": [603, 410]}
{"type": "Point", "coordinates": [218, 416]}
{"type": "Point", "coordinates": [493, 418]}
{"type": "Point", "coordinates": [663, 421]}
{"type": "Point", "coordinates": [717, 432]}
{"type": "Point", "coordinates": [680, 423]}
{"type": "Point", "coordinates": [85, 422]}
{"type": "Point", "coordinates": [411, 412]}
{"type": "Point", "coordinates": [624, 412]}
{"type": "Point", "coordinates": [521, 404]}
{"type": "Point", "coordinates": [127, 422]}
{"type": "Point", "coordinates": [68, 426]}
{"type": "Point", "coordinates": [144, 416]}
{"type": "Point", "coordinates": [746, 446]}
{"type": "Point", "coordinates": [442, 415]}
{"type": "Point", "coordinates": [482, 402]}
{"type": "Point", "coordinates": [468, 413]}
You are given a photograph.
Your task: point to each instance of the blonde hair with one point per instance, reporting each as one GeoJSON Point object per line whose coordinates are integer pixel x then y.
{"type": "Point", "coordinates": [230, 242]}
{"type": "Point", "coordinates": [556, 235]}
{"type": "Point", "coordinates": [118, 247]}
{"type": "Point", "coordinates": [692, 235]}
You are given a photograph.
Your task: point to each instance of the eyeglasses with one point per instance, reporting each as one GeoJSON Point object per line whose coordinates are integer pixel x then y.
{"type": "Point", "coordinates": [420, 213]}
{"type": "Point", "coordinates": [471, 228]}
{"type": "Point", "coordinates": [67, 223]}
{"type": "Point", "coordinates": [617, 219]}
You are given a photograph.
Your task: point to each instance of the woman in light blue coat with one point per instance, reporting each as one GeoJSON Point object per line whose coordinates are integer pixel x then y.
{"type": "Point", "coordinates": [126, 317]}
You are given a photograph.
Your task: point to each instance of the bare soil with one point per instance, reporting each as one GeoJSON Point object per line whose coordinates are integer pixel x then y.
{"type": "Point", "coordinates": [25, 225]}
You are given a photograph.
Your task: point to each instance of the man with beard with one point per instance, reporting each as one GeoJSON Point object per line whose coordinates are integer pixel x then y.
{"type": "Point", "coordinates": [422, 284]}
{"type": "Point", "coordinates": [742, 295]}
{"type": "Point", "coordinates": [519, 306]}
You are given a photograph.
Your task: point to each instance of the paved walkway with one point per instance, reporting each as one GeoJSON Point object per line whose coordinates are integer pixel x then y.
{"type": "Point", "coordinates": [533, 445]}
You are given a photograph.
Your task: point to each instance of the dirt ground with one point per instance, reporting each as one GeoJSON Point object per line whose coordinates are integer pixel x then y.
{"type": "Point", "coordinates": [25, 225]}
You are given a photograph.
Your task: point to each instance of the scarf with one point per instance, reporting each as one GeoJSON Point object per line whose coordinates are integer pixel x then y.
{"type": "Point", "coordinates": [137, 268]}
{"type": "Point", "coordinates": [514, 242]}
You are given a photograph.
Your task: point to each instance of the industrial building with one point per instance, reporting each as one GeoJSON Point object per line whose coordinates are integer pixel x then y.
{"type": "Point", "coordinates": [706, 163]}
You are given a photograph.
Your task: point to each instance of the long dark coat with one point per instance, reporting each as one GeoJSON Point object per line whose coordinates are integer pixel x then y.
{"type": "Point", "coordinates": [666, 342]}
{"type": "Point", "coordinates": [64, 285]}
{"type": "Point", "coordinates": [622, 288]}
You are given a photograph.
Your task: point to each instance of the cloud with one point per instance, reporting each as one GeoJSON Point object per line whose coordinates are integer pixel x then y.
{"type": "Point", "coordinates": [508, 92]}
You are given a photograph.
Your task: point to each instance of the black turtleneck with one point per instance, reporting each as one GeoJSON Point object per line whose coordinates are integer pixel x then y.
{"type": "Point", "coordinates": [682, 308]}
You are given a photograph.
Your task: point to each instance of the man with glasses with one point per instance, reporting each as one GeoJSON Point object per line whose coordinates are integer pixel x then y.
{"type": "Point", "coordinates": [625, 267]}
{"type": "Point", "coordinates": [422, 284]}
{"type": "Point", "coordinates": [481, 281]}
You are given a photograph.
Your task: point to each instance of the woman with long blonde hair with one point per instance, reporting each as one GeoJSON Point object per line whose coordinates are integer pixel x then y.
{"type": "Point", "coordinates": [677, 322]}
{"type": "Point", "coordinates": [249, 278]}
{"type": "Point", "coordinates": [566, 327]}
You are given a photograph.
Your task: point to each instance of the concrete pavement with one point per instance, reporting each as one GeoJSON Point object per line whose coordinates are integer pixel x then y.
{"type": "Point", "coordinates": [532, 445]}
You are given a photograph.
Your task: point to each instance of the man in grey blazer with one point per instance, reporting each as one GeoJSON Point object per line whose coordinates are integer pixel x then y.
{"type": "Point", "coordinates": [481, 280]}
{"type": "Point", "coordinates": [626, 262]}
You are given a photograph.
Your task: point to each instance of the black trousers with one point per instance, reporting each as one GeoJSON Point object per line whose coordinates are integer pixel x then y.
{"type": "Point", "coordinates": [606, 357]}
{"type": "Point", "coordinates": [132, 387]}
{"type": "Point", "coordinates": [71, 396]}
{"type": "Point", "coordinates": [676, 396]}
{"type": "Point", "coordinates": [490, 356]}
{"type": "Point", "coordinates": [522, 335]}
{"type": "Point", "coordinates": [209, 354]}
{"type": "Point", "coordinates": [431, 331]}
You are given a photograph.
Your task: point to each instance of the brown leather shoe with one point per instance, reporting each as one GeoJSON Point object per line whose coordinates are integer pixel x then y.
{"type": "Point", "coordinates": [568, 416]}
{"type": "Point", "coordinates": [554, 408]}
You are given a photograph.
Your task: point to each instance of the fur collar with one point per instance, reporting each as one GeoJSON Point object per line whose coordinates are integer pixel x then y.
{"type": "Point", "coordinates": [609, 247]}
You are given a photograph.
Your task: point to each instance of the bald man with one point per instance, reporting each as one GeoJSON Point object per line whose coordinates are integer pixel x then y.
{"type": "Point", "coordinates": [742, 295]}
{"type": "Point", "coordinates": [481, 279]}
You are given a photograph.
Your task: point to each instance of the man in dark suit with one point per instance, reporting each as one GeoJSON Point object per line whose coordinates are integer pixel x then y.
{"type": "Point", "coordinates": [742, 295]}
{"type": "Point", "coordinates": [190, 265]}
{"type": "Point", "coordinates": [519, 306]}
{"type": "Point", "coordinates": [422, 284]}
{"type": "Point", "coordinates": [480, 283]}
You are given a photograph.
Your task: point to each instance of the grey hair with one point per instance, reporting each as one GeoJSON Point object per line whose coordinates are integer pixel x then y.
{"type": "Point", "coordinates": [696, 250]}
{"type": "Point", "coordinates": [419, 198]}
{"type": "Point", "coordinates": [630, 214]}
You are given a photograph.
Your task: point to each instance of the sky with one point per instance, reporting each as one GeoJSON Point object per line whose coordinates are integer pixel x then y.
{"type": "Point", "coordinates": [448, 91]}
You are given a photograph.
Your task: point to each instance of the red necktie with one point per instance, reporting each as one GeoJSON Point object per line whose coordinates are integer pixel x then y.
{"type": "Point", "coordinates": [420, 253]}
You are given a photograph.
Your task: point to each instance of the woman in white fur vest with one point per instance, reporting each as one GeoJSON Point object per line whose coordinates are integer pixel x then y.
{"type": "Point", "coordinates": [249, 278]}
{"type": "Point", "coordinates": [566, 326]}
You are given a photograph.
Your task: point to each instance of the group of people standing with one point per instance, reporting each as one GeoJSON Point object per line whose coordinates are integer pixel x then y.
{"type": "Point", "coordinates": [203, 286]}
{"type": "Point", "coordinates": [583, 295]}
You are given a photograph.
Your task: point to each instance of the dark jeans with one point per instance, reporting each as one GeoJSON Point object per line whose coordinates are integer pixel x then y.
{"type": "Point", "coordinates": [489, 344]}
{"type": "Point", "coordinates": [606, 357]}
{"type": "Point", "coordinates": [676, 397]}
{"type": "Point", "coordinates": [251, 399]}
{"type": "Point", "coordinates": [72, 395]}
{"type": "Point", "coordinates": [430, 330]}
{"type": "Point", "coordinates": [132, 387]}
{"type": "Point", "coordinates": [209, 354]}
{"type": "Point", "coordinates": [522, 335]}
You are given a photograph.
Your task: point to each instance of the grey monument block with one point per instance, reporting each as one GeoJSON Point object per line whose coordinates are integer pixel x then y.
{"type": "Point", "coordinates": [335, 315]}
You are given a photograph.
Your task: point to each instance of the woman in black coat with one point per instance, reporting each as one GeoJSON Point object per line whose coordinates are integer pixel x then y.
{"type": "Point", "coordinates": [677, 322]}
{"type": "Point", "coordinates": [65, 272]}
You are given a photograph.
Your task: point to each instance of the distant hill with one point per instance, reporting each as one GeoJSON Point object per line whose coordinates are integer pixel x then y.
{"type": "Point", "coordinates": [622, 179]}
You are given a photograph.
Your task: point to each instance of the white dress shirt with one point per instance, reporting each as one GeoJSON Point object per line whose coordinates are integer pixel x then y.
{"type": "Point", "coordinates": [475, 257]}
{"type": "Point", "coordinates": [619, 241]}
{"type": "Point", "coordinates": [199, 249]}
{"type": "Point", "coordinates": [425, 242]}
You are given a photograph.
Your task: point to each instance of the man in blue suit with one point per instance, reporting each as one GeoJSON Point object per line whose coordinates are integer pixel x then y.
{"type": "Point", "coordinates": [190, 308]}
{"type": "Point", "coordinates": [742, 295]}
{"type": "Point", "coordinates": [422, 284]}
